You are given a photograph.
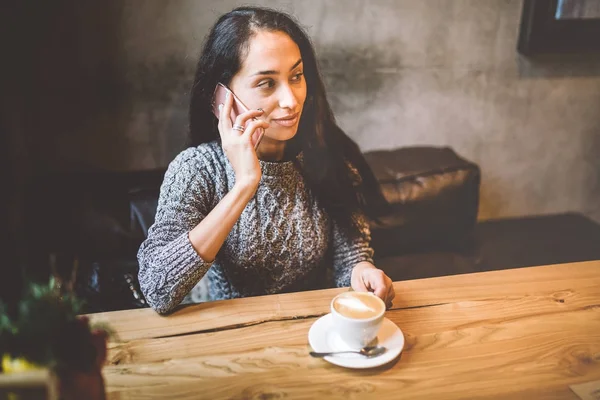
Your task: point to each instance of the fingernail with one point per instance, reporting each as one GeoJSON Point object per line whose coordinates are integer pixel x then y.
{"type": "Point", "coordinates": [220, 107]}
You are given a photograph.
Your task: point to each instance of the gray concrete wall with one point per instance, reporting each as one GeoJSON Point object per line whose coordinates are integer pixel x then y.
{"type": "Point", "coordinates": [399, 73]}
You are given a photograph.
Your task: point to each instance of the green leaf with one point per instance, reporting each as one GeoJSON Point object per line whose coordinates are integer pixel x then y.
{"type": "Point", "coordinates": [5, 322]}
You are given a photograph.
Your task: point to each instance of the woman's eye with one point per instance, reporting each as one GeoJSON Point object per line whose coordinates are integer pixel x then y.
{"type": "Point", "coordinates": [266, 84]}
{"type": "Point", "coordinates": [298, 76]}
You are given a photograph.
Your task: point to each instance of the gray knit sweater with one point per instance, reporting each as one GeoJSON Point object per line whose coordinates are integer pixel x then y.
{"type": "Point", "coordinates": [284, 241]}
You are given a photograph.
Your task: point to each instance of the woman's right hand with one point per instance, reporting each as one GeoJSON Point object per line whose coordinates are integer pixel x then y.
{"type": "Point", "coordinates": [238, 145]}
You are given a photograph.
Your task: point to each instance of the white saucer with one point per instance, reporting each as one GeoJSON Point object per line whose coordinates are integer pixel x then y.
{"type": "Point", "coordinates": [322, 338]}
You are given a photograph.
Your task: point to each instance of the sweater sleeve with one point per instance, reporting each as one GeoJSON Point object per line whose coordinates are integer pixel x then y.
{"type": "Point", "coordinates": [169, 265]}
{"type": "Point", "coordinates": [350, 248]}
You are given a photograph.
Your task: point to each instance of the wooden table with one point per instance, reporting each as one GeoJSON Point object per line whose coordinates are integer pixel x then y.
{"type": "Point", "coordinates": [523, 333]}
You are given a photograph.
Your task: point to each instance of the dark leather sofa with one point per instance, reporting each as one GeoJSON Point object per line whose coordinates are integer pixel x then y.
{"type": "Point", "coordinates": [433, 230]}
{"type": "Point", "coordinates": [102, 217]}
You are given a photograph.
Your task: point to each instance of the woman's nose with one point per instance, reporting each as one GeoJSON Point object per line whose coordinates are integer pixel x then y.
{"type": "Point", "coordinates": [287, 98]}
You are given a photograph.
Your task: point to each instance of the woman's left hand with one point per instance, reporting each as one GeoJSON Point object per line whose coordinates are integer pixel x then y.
{"type": "Point", "coordinates": [367, 278]}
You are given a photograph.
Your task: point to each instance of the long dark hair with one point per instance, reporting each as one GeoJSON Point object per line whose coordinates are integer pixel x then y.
{"type": "Point", "coordinates": [333, 166]}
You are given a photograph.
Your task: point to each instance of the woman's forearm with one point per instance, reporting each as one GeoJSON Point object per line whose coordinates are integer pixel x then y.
{"type": "Point", "coordinates": [210, 234]}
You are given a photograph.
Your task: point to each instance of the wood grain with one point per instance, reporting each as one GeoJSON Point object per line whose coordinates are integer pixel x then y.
{"type": "Point", "coordinates": [216, 315]}
{"type": "Point", "coordinates": [524, 333]}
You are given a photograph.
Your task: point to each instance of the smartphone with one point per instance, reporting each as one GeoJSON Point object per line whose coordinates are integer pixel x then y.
{"type": "Point", "coordinates": [236, 109]}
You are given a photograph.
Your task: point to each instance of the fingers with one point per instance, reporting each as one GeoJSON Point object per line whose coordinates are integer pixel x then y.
{"type": "Point", "coordinates": [253, 126]}
{"type": "Point", "coordinates": [243, 118]}
{"type": "Point", "coordinates": [225, 112]}
{"type": "Point", "coordinates": [226, 125]}
{"type": "Point", "coordinates": [389, 301]}
{"type": "Point", "coordinates": [358, 283]}
{"type": "Point", "coordinates": [386, 293]}
{"type": "Point", "coordinates": [380, 290]}
{"type": "Point", "coordinates": [376, 281]}
{"type": "Point", "coordinates": [379, 283]}
{"type": "Point", "coordinates": [389, 290]}
{"type": "Point", "coordinates": [257, 137]}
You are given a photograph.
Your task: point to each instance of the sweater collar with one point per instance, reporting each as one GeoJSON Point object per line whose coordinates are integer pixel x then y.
{"type": "Point", "coordinates": [279, 168]}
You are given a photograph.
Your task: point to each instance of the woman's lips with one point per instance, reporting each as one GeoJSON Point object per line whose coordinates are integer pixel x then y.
{"type": "Point", "coordinates": [287, 121]}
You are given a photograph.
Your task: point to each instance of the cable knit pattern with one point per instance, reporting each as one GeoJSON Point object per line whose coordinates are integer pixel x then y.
{"type": "Point", "coordinates": [283, 241]}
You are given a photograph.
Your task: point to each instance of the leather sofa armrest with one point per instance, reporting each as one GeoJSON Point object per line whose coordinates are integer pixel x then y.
{"type": "Point", "coordinates": [434, 196]}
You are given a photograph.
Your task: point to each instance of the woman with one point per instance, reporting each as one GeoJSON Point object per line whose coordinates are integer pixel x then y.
{"type": "Point", "coordinates": [269, 220]}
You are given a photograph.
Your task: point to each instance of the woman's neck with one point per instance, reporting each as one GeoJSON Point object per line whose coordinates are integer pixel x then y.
{"type": "Point", "coordinates": [270, 150]}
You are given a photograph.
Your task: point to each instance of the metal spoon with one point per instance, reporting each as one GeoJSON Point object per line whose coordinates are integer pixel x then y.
{"type": "Point", "coordinates": [369, 351]}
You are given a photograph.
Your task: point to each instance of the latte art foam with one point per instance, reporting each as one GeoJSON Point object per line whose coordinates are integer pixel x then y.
{"type": "Point", "coordinates": [358, 305]}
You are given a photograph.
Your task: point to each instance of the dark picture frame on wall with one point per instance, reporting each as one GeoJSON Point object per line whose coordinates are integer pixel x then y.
{"type": "Point", "coordinates": [559, 26]}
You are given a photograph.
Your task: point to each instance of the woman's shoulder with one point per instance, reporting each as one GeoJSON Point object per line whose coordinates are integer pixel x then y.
{"type": "Point", "coordinates": [195, 170]}
{"type": "Point", "coordinates": [207, 157]}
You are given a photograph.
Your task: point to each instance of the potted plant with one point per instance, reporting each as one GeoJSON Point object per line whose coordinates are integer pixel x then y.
{"type": "Point", "coordinates": [46, 333]}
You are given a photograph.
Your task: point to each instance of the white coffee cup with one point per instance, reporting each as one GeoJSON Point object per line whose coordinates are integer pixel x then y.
{"type": "Point", "coordinates": [357, 317]}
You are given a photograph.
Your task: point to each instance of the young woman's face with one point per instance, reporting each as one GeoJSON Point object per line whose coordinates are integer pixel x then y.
{"type": "Point", "coordinates": [271, 78]}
